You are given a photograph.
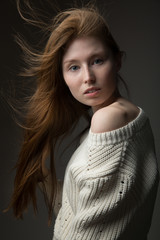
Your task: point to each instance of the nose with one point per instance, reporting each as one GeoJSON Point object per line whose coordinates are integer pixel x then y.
{"type": "Point", "coordinates": [88, 75]}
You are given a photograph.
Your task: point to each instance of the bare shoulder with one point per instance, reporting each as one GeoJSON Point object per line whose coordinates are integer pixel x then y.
{"type": "Point", "coordinates": [114, 116]}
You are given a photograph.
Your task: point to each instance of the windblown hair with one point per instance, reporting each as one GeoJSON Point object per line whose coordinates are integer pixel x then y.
{"type": "Point", "coordinates": [52, 111]}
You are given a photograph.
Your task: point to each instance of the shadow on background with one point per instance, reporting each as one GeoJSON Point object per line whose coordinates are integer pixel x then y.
{"type": "Point", "coordinates": [135, 25]}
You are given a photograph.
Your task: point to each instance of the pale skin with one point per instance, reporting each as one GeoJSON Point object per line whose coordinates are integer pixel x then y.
{"type": "Point", "coordinates": [89, 70]}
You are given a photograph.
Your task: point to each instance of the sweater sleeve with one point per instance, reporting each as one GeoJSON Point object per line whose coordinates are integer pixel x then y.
{"type": "Point", "coordinates": [110, 186]}
{"type": "Point", "coordinates": [106, 201]}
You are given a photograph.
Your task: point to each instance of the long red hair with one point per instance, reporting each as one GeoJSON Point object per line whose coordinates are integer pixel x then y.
{"type": "Point", "coordinates": [52, 111]}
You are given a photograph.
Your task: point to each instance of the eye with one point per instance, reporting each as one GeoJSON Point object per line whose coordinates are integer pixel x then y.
{"type": "Point", "coordinates": [98, 61]}
{"type": "Point", "coordinates": [73, 68]}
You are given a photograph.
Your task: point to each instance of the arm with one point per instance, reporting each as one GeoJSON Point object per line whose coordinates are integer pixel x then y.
{"type": "Point", "coordinates": [107, 193]}
{"type": "Point", "coordinates": [106, 201]}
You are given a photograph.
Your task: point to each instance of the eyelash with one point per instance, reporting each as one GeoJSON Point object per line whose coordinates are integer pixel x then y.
{"type": "Point", "coordinates": [71, 68]}
{"type": "Point", "coordinates": [100, 61]}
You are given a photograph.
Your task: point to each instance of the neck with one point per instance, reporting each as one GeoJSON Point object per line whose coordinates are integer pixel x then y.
{"type": "Point", "coordinates": [109, 101]}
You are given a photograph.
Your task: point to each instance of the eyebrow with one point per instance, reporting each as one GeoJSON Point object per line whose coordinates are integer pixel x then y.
{"type": "Point", "coordinates": [70, 61]}
{"type": "Point", "coordinates": [91, 56]}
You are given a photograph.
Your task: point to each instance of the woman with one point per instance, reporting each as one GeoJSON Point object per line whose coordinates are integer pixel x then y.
{"type": "Point", "coordinates": [111, 180]}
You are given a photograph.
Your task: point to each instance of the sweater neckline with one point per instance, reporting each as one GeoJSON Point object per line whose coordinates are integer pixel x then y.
{"type": "Point", "coordinates": [119, 134]}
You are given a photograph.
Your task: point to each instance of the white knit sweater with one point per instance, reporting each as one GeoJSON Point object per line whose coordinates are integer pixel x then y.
{"type": "Point", "coordinates": [110, 185]}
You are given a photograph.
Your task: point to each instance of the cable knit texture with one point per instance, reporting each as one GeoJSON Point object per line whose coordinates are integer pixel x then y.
{"type": "Point", "coordinates": [110, 185]}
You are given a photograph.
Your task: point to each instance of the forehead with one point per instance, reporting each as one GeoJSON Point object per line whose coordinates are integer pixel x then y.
{"type": "Point", "coordinates": [84, 46]}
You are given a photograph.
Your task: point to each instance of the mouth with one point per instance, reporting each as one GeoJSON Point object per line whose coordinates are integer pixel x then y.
{"type": "Point", "coordinates": [91, 90]}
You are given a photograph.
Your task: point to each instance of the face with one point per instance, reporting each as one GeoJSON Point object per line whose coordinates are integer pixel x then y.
{"type": "Point", "coordinates": [89, 71]}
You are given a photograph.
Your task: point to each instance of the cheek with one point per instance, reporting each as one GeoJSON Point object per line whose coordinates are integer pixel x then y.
{"type": "Point", "coordinates": [65, 78]}
{"type": "Point", "coordinates": [109, 79]}
{"type": "Point", "coordinates": [71, 80]}
{"type": "Point", "coordinates": [71, 84]}
{"type": "Point", "coordinates": [108, 74]}
{"type": "Point", "coordinates": [68, 81]}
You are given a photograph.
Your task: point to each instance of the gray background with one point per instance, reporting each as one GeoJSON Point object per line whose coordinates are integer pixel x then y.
{"type": "Point", "coordinates": [135, 25]}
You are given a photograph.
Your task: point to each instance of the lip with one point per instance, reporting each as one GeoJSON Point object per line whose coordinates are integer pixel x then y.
{"type": "Point", "coordinates": [91, 90]}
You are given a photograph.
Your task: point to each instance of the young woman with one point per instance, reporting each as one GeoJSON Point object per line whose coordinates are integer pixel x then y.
{"type": "Point", "coordinates": [111, 180]}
